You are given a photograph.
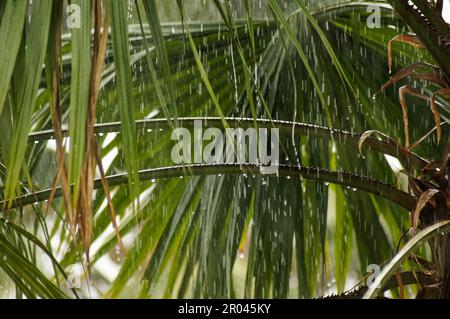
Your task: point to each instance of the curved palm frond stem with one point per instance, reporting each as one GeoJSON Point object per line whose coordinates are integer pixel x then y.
{"type": "Point", "coordinates": [313, 173]}
{"type": "Point", "coordinates": [407, 158]}
{"type": "Point", "coordinates": [437, 229]}
{"type": "Point", "coordinates": [428, 26]}
{"type": "Point", "coordinates": [350, 5]}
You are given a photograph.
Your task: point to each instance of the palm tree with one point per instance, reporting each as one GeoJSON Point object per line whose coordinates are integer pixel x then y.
{"type": "Point", "coordinates": [93, 205]}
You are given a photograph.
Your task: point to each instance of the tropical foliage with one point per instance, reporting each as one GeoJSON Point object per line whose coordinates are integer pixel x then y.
{"type": "Point", "coordinates": [93, 205]}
